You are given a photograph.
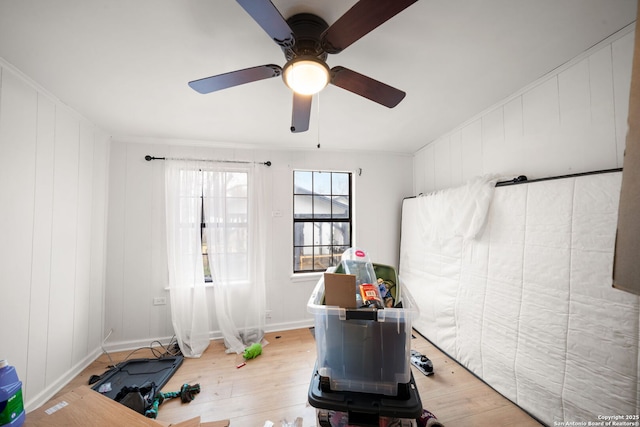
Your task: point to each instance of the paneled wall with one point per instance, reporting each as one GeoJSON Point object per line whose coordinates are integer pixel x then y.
{"type": "Point", "coordinates": [136, 266]}
{"type": "Point", "coordinates": [572, 120]}
{"type": "Point", "coordinates": [53, 178]}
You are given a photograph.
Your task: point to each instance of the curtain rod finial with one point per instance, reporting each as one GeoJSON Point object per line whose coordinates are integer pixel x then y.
{"type": "Point", "coordinates": [268, 163]}
{"type": "Point", "coordinates": [148, 158]}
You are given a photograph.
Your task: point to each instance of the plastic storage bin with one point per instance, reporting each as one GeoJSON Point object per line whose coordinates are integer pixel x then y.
{"type": "Point", "coordinates": [364, 350]}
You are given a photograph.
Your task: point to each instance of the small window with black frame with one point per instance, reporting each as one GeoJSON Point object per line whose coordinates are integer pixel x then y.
{"type": "Point", "coordinates": [322, 219]}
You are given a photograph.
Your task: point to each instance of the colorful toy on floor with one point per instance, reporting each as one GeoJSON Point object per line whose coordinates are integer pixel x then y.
{"type": "Point", "coordinates": [253, 351]}
{"type": "Point", "coordinates": [187, 394]}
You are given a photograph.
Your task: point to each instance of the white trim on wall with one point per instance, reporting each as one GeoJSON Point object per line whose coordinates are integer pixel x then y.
{"type": "Point", "coordinates": [213, 335]}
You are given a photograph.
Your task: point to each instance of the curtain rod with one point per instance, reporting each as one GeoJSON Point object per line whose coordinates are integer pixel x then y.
{"type": "Point", "coordinates": [148, 158]}
{"type": "Point", "coordinates": [522, 179]}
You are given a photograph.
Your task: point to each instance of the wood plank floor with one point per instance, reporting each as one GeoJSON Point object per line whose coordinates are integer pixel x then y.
{"type": "Point", "coordinates": [274, 386]}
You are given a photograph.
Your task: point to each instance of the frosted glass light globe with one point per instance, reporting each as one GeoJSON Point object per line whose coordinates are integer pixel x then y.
{"type": "Point", "coordinates": [306, 75]}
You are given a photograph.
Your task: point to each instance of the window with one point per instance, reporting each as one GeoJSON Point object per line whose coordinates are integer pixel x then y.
{"type": "Point", "coordinates": [225, 210]}
{"type": "Point", "coordinates": [321, 219]}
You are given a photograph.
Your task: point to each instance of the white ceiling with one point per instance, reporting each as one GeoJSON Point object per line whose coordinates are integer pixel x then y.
{"type": "Point", "coordinates": [125, 64]}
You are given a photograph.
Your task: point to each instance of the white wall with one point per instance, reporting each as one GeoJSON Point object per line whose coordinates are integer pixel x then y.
{"type": "Point", "coordinates": [53, 177]}
{"type": "Point", "coordinates": [136, 261]}
{"type": "Point", "coordinates": [571, 120]}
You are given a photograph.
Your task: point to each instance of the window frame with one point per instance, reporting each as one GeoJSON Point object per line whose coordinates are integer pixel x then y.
{"type": "Point", "coordinates": [348, 220]}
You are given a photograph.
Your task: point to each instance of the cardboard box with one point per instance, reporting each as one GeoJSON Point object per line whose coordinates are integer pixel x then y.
{"type": "Point", "coordinates": [626, 268]}
{"type": "Point", "coordinates": [84, 407]}
{"type": "Point", "coordinates": [340, 290]}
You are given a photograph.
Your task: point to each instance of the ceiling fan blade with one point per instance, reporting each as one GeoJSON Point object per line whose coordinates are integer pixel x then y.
{"type": "Point", "coordinates": [301, 112]}
{"type": "Point", "coordinates": [363, 17]}
{"type": "Point", "coordinates": [366, 86]}
{"type": "Point", "coordinates": [235, 78]}
{"type": "Point", "coordinates": [270, 19]}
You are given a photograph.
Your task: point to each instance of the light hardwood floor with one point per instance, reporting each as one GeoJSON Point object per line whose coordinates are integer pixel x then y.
{"type": "Point", "coordinates": [274, 386]}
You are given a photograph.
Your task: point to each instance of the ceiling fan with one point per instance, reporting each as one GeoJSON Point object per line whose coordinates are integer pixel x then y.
{"type": "Point", "coordinates": [306, 41]}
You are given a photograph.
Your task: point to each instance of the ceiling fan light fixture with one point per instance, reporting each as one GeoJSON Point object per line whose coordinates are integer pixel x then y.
{"type": "Point", "coordinates": [306, 75]}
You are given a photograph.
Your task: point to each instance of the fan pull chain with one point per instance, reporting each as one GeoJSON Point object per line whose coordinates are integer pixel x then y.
{"type": "Point", "coordinates": [318, 121]}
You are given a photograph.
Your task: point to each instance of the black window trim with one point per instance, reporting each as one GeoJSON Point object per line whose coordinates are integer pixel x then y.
{"type": "Point", "coordinates": [348, 220]}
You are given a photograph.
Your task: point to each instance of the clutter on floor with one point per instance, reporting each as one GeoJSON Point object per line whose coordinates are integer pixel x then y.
{"type": "Point", "coordinates": [136, 383]}
{"type": "Point", "coordinates": [136, 373]}
{"type": "Point", "coordinates": [253, 351]}
{"type": "Point", "coordinates": [422, 362]}
{"type": "Point", "coordinates": [137, 398]}
{"type": "Point", "coordinates": [427, 419]}
{"type": "Point", "coordinates": [284, 423]}
{"type": "Point", "coordinates": [187, 393]}
{"type": "Point", "coordinates": [84, 406]}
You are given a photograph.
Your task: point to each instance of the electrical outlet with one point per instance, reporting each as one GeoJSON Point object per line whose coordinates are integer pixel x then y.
{"type": "Point", "coordinates": [159, 301]}
{"type": "Point", "coordinates": [267, 314]}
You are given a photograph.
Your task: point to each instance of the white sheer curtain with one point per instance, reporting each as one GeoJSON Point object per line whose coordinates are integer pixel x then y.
{"type": "Point", "coordinates": [236, 240]}
{"type": "Point", "coordinates": [189, 311]}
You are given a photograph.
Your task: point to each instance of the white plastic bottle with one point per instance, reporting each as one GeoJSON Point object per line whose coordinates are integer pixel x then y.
{"type": "Point", "coordinates": [356, 261]}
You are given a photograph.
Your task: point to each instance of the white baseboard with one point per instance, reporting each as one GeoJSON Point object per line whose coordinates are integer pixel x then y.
{"type": "Point", "coordinates": [49, 391]}
{"type": "Point", "coordinates": [287, 326]}
{"type": "Point", "coordinates": [213, 335]}
{"type": "Point", "coordinates": [131, 345]}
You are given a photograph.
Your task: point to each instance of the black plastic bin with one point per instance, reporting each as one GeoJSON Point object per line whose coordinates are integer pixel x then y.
{"type": "Point", "coordinates": [364, 409]}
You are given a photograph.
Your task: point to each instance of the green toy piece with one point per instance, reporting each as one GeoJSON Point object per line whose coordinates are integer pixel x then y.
{"type": "Point", "coordinates": [186, 394]}
{"type": "Point", "coordinates": [253, 351]}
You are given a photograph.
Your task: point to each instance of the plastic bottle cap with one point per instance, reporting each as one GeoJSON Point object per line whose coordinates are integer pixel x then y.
{"type": "Point", "coordinates": [3, 363]}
